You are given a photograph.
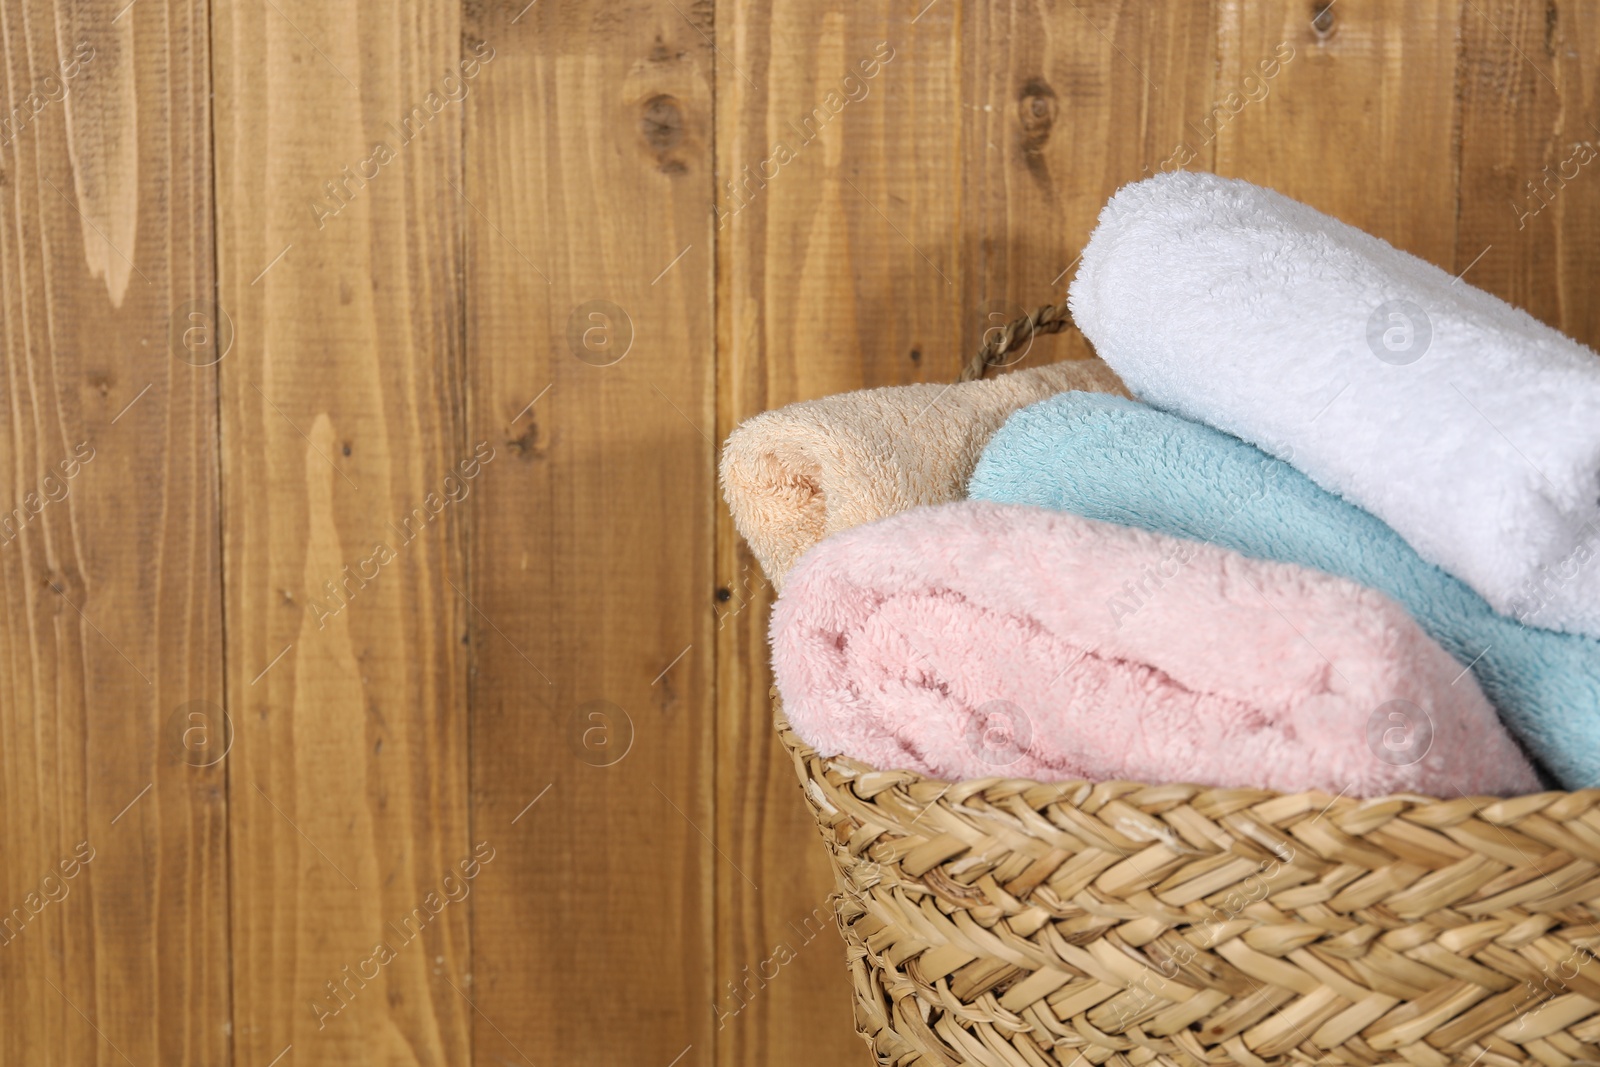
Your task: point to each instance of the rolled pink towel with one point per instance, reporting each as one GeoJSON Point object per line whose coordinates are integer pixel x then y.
{"type": "Point", "coordinates": [975, 640]}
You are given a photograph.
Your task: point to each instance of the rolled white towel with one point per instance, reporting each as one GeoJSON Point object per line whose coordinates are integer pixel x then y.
{"type": "Point", "coordinates": [1467, 425]}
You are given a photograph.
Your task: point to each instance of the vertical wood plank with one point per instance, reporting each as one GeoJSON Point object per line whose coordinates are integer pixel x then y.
{"type": "Point", "coordinates": [1062, 106]}
{"type": "Point", "coordinates": [113, 864]}
{"type": "Point", "coordinates": [590, 361]}
{"type": "Point", "coordinates": [339, 134]}
{"type": "Point", "coordinates": [839, 221]}
{"type": "Point", "coordinates": [1578, 262]}
{"type": "Point", "coordinates": [1530, 158]}
{"type": "Point", "coordinates": [1360, 119]}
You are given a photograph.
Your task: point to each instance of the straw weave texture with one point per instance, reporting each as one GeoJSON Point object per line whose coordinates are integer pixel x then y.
{"type": "Point", "coordinates": [1011, 923]}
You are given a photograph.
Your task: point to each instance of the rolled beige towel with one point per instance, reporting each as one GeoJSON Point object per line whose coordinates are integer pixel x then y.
{"type": "Point", "coordinates": [797, 474]}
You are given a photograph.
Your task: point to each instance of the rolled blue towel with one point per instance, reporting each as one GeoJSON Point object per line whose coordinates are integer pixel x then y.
{"type": "Point", "coordinates": [1107, 458]}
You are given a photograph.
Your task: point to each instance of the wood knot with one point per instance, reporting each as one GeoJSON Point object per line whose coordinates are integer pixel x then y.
{"type": "Point", "coordinates": [66, 584]}
{"type": "Point", "coordinates": [1322, 19]}
{"type": "Point", "coordinates": [661, 124]}
{"type": "Point", "coordinates": [660, 53]}
{"type": "Point", "coordinates": [1036, 111]}
{"type": "Point", "coordinates": [530, 444]}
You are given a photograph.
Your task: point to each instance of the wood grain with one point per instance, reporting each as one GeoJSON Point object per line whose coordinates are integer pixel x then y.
{"type": "Point", "coordinates": [342, 434]}
{"type": "Point", "coordinates": [502, 347]}
{"type": "Point", "coordinates": [1359, 120]}
{"type": "Point", "coordinates": [1061, 108]}
{"type": "Point", "coordinates": [589, 360]}
{"type": "Point", "coordinates": [1578, 229]}
{"type": "Point", "coordinates": [109, 562]}
{"type": "Point", "coordinates": [1530, 159]}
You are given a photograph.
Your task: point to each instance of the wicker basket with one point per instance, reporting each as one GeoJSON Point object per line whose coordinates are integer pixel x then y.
{"type": "Point", "coordinates": [1011, 923]}
{"type": "Point", "coordinates": [1007, 923]}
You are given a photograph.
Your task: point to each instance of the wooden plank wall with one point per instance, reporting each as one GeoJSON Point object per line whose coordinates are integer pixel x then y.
{"type": "Point", "coordinates": [590, 369]}
{"type": "Point", "coordinates": [339, 260]}
{"type": "Point", "coordinates": [402, 360]}
{"type": "Point", "coordinates": [113, 861]}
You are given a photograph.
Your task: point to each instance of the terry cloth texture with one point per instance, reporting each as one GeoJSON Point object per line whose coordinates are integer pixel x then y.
{"type": "Point", "coordinates": [974, 640]}
{"type": "Point", "coordinates": [797, 474]}
{"type": "Point", "coordinates": [1119, 461]}
{"type": "Point", "coordinates": [1464, 423]}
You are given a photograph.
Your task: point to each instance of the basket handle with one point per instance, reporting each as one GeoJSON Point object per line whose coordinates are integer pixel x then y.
{"type": "Point", "coordinates": [1052, 318]}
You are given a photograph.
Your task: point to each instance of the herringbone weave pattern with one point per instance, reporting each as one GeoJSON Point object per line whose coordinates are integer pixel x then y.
{"type": "Point", "coordinates": [1017, 924]}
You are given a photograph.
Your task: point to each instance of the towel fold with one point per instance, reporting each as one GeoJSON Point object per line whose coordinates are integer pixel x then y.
{"type": "Point", "coordinates": [978, 640]}
{"type": "Point", "coordinates": [1120, 461]}
{"type": "Point", "coordinates": [794, 475]}
{"type": "Point", "coordinates": [1464, 423]}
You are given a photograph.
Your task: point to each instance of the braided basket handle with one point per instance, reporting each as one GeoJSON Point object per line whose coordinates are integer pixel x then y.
{"type": "Point", "coordinates": [1053, 318]}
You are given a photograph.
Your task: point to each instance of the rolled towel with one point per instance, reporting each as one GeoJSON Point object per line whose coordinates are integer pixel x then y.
{"type": "Point", "coordinates": [797, 474]}
{"type": "Point", "coordinates": [1120, 461]}
{"type": "Point", "coordinates": [979, 640]}
{"type": "Point", "coordinates": [1464, 423]}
